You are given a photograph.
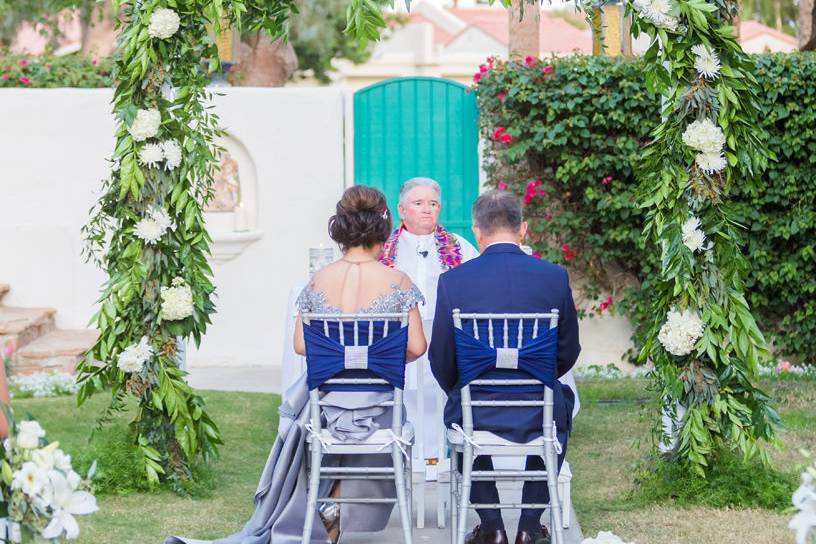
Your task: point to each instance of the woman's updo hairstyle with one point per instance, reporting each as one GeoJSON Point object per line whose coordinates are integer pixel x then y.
{"type": "Point", "coordinates": [361, 218]}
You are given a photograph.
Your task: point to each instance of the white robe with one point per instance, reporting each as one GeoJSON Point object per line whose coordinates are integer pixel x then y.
{"type": "Point", "coordinates": [424, 271]}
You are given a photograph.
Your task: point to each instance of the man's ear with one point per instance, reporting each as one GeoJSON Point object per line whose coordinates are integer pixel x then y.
{"type": "Point", "coordinates": [523, 230]}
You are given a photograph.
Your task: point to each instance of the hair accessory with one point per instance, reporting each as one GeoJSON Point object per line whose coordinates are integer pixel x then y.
{"type": "Point", "coordinates": [385, 214]}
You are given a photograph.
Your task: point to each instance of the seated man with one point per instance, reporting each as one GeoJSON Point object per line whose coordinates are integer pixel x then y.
{"type": "Point", "coordinates": [505, 280]}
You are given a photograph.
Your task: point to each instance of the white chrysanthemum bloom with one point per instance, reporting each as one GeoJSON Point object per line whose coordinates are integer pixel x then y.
{"type": "Point", "coordinates": [706, 61]}
{"type": "Point", "coordinates": [804, 500]}
{"type": "Point", "coordinates": [151, 155]}
{"type": "Point", "coordinates": [67, 502]}
{"type": "Point", "coordinates": [172, 154]}
{"type": "Point", "coordinates": [693, 235]}
{"type": "Point", "coordinates": [177, 301]}
{"type": "Point", "coordinates": [133, 357]}
{"type": "Point", "coordinates": [163, 23]}
{"type": "Point", "coordinates": [604, 537]}
{"type": "Point", "coordinates": [146, 124]}
{"type": "Point", "coordinates": [30, 478]}
{"type": "Point", "coordinates": [152, 228]}
{"type": "Point", "coordinates": [29, 434]}
{"type": "Point", "coordinates": [711, 163]}
{"type": "Point", "coordinates": [681, 331]}
{"type": "Point", "coordinates": [704, 136]}
{"type": "Point", "coordinates": [658, 12]}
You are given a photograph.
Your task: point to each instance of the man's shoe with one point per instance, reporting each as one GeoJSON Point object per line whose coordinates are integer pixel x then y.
{"type": "Point", "coordinates": [539, 537]}
{"type": "Point", "coordinates": [486, 536]}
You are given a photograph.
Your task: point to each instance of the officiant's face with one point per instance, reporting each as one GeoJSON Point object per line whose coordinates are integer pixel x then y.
{"type": "Point", "coordinates": [419, 210]}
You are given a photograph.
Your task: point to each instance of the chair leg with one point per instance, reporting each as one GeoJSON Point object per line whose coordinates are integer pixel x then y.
{"type": "Point", "coordinates": [409, 480]}
{"type": "Point", "coordinates": [402, 503]}
{"type": "Point", "coordinates": [467, 467]}
{"type": "Point", "coordinates": [556, 518]}
{"type": "Point", "coordinates": [453, 502]}
{"type": "Point", "coordinates": [311, 501]}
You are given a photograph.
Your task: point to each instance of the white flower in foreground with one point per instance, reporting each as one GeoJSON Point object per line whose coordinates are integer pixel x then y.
{"type": "Point", "coordinates": [681, 331]}
{"type": "Point", "coordinates": [44, 457]}
{"type": "Point", "coordinates": [163, 23]}
{"type": "Point", "coordinates": [31, 479]}
{"type": "Point", "coordinates": [67, 502]}
{"type": "Point", "coordinates": [704, 136]}
{"type": "Point", "coordinates": [62, 461]}
{"type": "Point", "coordinates": [133, 358]}
{"type": "Point", "coordinates": [658, 12]}
{"type": "Point", "coordinates": [804, 500]}
{"type": "Point", "coordinates": [693, 236]}
{"type": "Point", "coordinates": [177, 301]}
{"type": "Point", "coordinates": [152, 228]}
{"type": "Point", "coordinates": [29, 434]}
{"type": "Point", "coordinates": [706, 61]}
{"type": "Point", "coordinates": [172, 154]}
{"type": "Point", "coordinates": [151, 155]}
{"type": "Point", "coordinates": [146, 125]}
{"type": "Point", "coordinates": [710, 163]}
{"type": "Point", "coordinates": [604, 537]}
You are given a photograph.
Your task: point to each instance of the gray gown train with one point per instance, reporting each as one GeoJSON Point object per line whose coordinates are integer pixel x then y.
{"type": "Point", "coordinates": [280, 498]}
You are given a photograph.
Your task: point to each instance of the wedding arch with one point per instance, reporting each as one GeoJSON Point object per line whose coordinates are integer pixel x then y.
{"type": "Point", "coordinates": [147, 230]}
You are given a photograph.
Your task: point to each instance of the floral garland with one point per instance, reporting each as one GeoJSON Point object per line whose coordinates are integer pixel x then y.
{"type": "Point", "coordinates": [448, 248]}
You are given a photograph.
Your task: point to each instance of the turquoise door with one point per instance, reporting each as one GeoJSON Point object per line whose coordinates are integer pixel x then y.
{"type": "Point", "coordinates": [419, 126]}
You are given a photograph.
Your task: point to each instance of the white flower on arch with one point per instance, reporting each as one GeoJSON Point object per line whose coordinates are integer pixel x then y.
{"type": "Point", "coordinates": [706, 61]}
{"type": "Point", "coordinates": [681, 331]}
{"type": "Point", "coordinates": [164, 23]}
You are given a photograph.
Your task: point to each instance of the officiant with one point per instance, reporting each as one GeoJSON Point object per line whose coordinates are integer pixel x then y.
{"type": "Point", "coordinates": [423, 249]}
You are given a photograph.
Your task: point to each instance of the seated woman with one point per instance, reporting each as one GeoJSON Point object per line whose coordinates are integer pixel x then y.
{"type": "Point", "coordinates": [356, 283]}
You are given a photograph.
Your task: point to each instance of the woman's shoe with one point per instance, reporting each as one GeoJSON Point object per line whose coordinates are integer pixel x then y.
{"type": "Point", "coordinates": [330, 515]}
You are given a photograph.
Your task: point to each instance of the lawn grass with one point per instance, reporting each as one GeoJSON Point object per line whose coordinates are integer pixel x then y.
{"type": "Point", "coordinates": [608, 441]}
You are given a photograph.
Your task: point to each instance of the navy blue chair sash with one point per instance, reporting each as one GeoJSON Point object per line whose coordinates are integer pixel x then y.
{"type": "Point", "coordinates": [537, 357]}
{"type": "Point", "coordinates": [326, 357]}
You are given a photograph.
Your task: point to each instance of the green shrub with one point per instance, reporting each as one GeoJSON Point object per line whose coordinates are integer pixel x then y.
{"type": "Point", "coordinates": [577, 132]}
{"type": "Point", "coordinates": [49, 71]}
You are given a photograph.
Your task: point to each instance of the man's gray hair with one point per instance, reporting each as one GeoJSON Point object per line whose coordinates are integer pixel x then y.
{"type": "Point", "coordinates": [419, 182]}
{"type": "Point", "coordinates": [497, 210]}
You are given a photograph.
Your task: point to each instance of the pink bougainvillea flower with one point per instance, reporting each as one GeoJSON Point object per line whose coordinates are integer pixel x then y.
{"type": "Point", "coordinates": [501, 95]}
{"type": "Point", "coordinates": [8, 350]}
{"type": "Point", "coordinates": [498, 131]}
{"type": "Point", "coordinates": [537, 254]}
{"type": "Point", "coordinates": [6, 77]}
{"type": "Point", "coordinates": [500, 135]}
{"type": "Point", "coordinates": [93, 62]}
{"type": "Point", "coordinates": [7, 68]}
{"type": "Point", "coordinates": [548, 69]}
{"type": "Point", "coordinates": [542, 193]}
{"type": "Point", "coordinates": [531, 190]}
{"type": "Point", "coordinates": [569, 253]}
{"type": "Point", "coordinates": [783, 366]}
{"type": "Point", "coordinates": [24, 80]}
{"type": "Point", "coordinates": [483, 68]}
{"type": "Point", "coordinates": [605, 304]}
{"type": "Point", "coordinates": [506, 138]}
{"type": "Point", "coordinates": [23, 62]}
{"type": "Point", "coordinates": [549, 217]}
{"type": "Point", "coordinates": [529, 59]}
{"type": "Point", "coordinates": [501, 185]}
{"type": "Point", "coordinates": [49, 65]}
{"type": "Point", "coordinates": [477, 76]}
{"type": "Point", "coordinates": [607, 180]}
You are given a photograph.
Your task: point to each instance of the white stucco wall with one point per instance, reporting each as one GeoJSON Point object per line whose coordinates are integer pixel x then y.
{"type": "Point", "coordinates": [52, 157]}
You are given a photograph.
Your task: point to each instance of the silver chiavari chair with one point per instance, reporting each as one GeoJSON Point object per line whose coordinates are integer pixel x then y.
{"type": "Point", "coordinates": [398, 438]}
{"type": "Point", "coordinates": [466, 439]}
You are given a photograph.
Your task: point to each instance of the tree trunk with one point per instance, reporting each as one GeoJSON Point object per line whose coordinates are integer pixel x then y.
{"type": "Point", "coordinates": [807, 25]}
{"type": "Point", "coordinates": [524, 31]}
{"type": "Point", "coordinates": [264, 63]}
{"type": "Point", "coordinates": [98, 30]}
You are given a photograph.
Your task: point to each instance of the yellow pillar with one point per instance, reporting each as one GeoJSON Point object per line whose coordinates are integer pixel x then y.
{"type": "Point", "coordinates": [611, 31]}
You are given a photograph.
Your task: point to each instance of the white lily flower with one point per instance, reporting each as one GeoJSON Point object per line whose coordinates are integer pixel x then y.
{"type": "Point", "coordinates": [67, 503]}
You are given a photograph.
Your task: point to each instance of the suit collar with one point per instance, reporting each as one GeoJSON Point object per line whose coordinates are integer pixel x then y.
{"type": "Point", "coordinates": [503, 247]}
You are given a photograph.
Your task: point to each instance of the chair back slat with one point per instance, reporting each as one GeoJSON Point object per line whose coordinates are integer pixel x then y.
{"type": "Point", "coordinates": [520, 333]}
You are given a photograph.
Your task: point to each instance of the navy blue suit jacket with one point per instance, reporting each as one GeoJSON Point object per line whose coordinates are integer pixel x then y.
{"type": "Point", "coordinates": [505, 280]}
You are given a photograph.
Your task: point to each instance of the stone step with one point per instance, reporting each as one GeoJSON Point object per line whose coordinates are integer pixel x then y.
{"type": "Point", "coordinates": [59, 350]}
{"type": "Point", "coordinates": [4, 288]}
{"type": "Point", "coordinates": [21, 326]}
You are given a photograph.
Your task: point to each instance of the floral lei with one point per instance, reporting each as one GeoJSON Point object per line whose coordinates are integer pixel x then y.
{"type": "Point", "coordinates": [447, 247]}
